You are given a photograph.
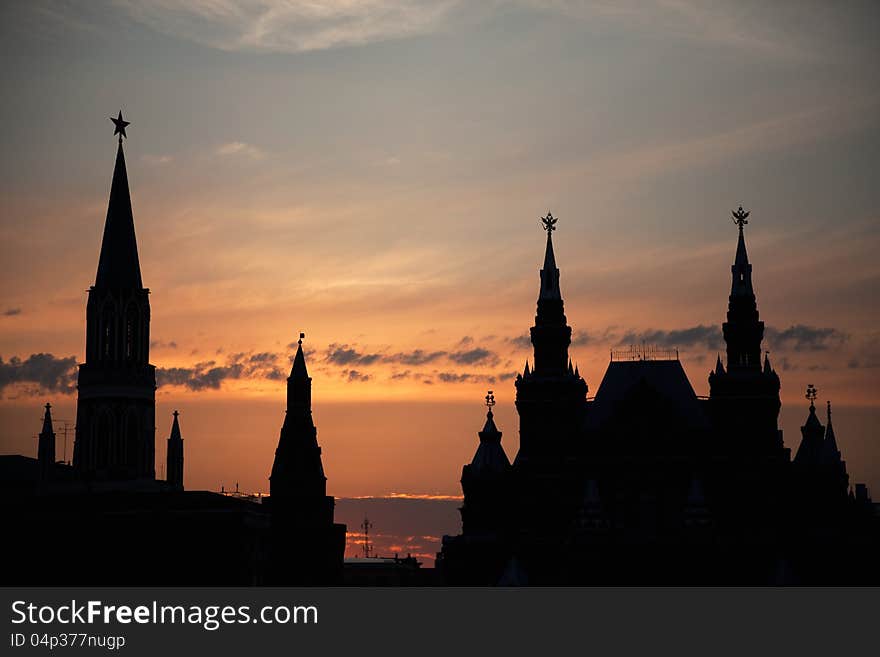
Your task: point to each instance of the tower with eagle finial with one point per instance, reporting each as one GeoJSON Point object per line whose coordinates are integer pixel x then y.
{"type": "Point", "coordinates": [744, 397]}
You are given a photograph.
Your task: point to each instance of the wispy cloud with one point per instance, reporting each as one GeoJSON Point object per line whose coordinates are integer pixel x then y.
{"type": "Point", "coordinates": [300, 26]}
{"type": "Point", "coordinates": [11, 312]}
{"type": "Point", "coordinates": [210, 375]}
{"type": "Point", "coordinates": [162, 344]}
{"type": "Point", "coordinates": [290, 26]}
{"type": "Point", "coordinates": [343, 354]}
{"type": "Point", "coordinates": [156, 160]}
{"type": "Point", "coordinates": [239, 148]}
{"type": "Point", "coordinates": [805, 338]}
{"type": "Point", "coordinates": [356, 376]}
{"type": "Point", "coordinates": [708, 336]}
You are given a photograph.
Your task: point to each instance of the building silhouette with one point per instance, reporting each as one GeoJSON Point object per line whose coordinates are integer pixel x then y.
{"type": "Point", "coordinates": [307, 546]}
{"type": "Point", "coordinates": [116, 400]}
{"type": "Point", "coordinates": [107, 520]}
{"type": "Point", "coordinates": [646, 483]}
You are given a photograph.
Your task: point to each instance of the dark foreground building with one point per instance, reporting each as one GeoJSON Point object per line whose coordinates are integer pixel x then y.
{"type": "Point", "coordinates": [107, 520]}
{"type": "Point", "coordinates": [646, 483]}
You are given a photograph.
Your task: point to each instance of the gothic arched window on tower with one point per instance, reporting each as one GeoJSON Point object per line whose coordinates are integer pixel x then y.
{"type": "Point", "coordinates": [132, 439]}
{"type": "Point", "coordinates": [131, 334]}
{"type": "Point", "coordinates": [103, 440]}
{"type": "Point", "coordinates": [105, 348]}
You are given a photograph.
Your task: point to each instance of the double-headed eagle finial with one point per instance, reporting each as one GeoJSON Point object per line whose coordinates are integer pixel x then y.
{"type": "Point", "coordinates": [490, 400]}
{"type": "Point", "coordinates": [740, 217]}
{"type": "Point", "coordinates": [549, 222]}
{"type": "Point", "coordinates": [812, 393]}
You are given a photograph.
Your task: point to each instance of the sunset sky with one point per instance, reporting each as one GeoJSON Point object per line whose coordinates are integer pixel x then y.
{"type": "Point", "coordinates": [372, 173]}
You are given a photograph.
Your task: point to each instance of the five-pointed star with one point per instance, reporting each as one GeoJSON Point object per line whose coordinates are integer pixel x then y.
{"type": "Point", "coordinates": [120, 124]}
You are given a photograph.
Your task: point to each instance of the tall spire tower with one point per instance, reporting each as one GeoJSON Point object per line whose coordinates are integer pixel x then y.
{"type": "Point", "coordinates": [550, 397]}
{"type": "Point", "coordinates": [307, 546]}
{"type": "Point", "coordinates": [297, 477]}
{"type": "Point", "coordinates": [116, 406]}
{"type": "Point", "coordinates": [744, 398]}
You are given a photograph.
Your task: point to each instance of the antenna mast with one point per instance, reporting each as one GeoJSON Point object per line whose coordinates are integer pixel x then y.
{"type": "Point", "coordinates": [366, 525]}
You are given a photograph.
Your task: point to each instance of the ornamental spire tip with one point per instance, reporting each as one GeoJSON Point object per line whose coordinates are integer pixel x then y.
{"type": "Point", "coordinates": [120, 124]}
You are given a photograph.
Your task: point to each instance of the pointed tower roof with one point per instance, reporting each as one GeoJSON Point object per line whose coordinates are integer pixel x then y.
{"type": "Point", "coordinates": [810, 450]}
{"type": "Point", "coordinates": [741, 284]}
{"type": "Point", "coordinates": [490, 455]}
{"type": "Point", "coordinates": [719, 366]}
{"type": "Point", "coordinates": [549, 273]}
{"type": "Point", "coordinates": [767, 368]}
{"type": "Point", "coordinates": [47, 420]}
{"type": "Point", "coordinates": [118, 265]}
{"type": "Point", "coordinates": [299, 372]}
{"type": "Point", "coordinates": [490, 430]}
{"type": "Point", "coordinates": [812, 420]}
{"type": "Point", "coordinates": [175, 428]}
{"type": "Point", "coordinates": [830, 452]}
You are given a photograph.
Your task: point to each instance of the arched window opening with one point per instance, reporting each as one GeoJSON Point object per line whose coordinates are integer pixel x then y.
{"type": "Point", "coordinates": [132, 440]}
{"type": "Point", "coordinates": [103, 440]}
{"type": "Point", "coordinates": [132, 334]}
{"type": "Point", "coordinates": [105, 348]}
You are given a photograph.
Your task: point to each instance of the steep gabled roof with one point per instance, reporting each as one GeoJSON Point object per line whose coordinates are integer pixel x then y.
{"type": "Point", "coordinates": [666, 378]}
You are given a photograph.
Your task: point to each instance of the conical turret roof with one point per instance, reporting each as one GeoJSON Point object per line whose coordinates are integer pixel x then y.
{"type": "Point", "coordinates": [299, 371]}
{"type": "Point", "coordinates": [175, 428]}
{"type": "Point", "coordinates": [118, 264]}
{"type": "Point", "coordinates": [47, 420]}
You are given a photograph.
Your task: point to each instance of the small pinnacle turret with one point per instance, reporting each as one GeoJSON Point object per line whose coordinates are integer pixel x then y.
{"type": "Point", "coordinates": [549, 272]}
{"type": "Point", "coordinates": [741, 269]}
{"type": "Point", "coordinates": [46, 447]}
{"type": "Point", "coordinates": [490, 455]}
{"type": "Point", "coordinates": [830, 451]}
{"type": "Point", "coordinates": [809, 452]}
{"type": "Point", "coordinates": [174, 456]}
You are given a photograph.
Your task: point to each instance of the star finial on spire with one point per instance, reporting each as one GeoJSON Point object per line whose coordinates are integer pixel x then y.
{"type": "Point", "coordinates": [549, 222]}
{"type": "Point", "coordinates": [740, 217]}
{"type": "Point", "coordinates": [120, 124]}
{"type": "Point", "coordinates": [812, 393]}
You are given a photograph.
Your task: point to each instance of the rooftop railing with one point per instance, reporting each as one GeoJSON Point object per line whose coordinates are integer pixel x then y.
{"type": "Point", "coordinates": [643, 352]}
